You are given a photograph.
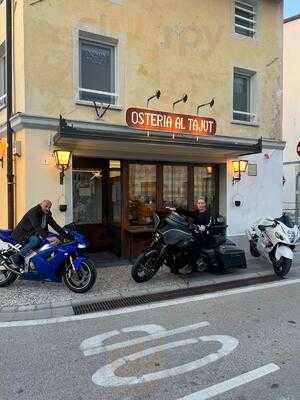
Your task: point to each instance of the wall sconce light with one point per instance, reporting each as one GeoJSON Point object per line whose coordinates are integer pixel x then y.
{"type": "Point", "coordinates": [157, 95]}
{"type": "Point", "coordinates": [209, 170]}
{"type": "Point", "coordinates": [184, 99]}
{"type": "Point", "coordinates": [211, 103]}
{"type": "Point", "coordinates": [2, 151]}
{"type": "Point", "coordinates": [239, 166]}
{"type": "Point", "coordinates": [62, 158]}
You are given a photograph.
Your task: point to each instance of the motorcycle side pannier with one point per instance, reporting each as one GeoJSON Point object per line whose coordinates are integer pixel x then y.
{"type": "Point", "coordinates": [231, 256]}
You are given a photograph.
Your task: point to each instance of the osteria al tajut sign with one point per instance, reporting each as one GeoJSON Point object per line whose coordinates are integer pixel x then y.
{"type": "Point", "coordinates": [152, 120]}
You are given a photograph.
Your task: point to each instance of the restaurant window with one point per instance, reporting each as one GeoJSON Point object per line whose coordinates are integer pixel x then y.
{"type": "Point", "coordinates": [2, 75]}
{"type": "Point", "coordinates": [97, 70]}
{"type": "Point", "coordinates": [205, 186]}
{"type": "Point", "coordinates": [175, 182]}
{"type": "Point", "coordinates": [245, 17]}
{"type": "Point", "coordinates": [142, 194]}
{"type": "Point", "coordinates": [244, 88]}
{"type": "Point", "coordinates": [87, 196]}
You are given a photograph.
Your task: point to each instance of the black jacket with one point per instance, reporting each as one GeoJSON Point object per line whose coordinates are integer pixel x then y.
{"type": "Point", "coordinates": [31, 224]}
{"type": "Point", "coordinates": [199, 218]}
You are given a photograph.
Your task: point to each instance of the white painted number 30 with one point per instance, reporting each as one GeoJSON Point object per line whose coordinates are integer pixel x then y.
{"type": "Point", "coordinates": [106, 375]}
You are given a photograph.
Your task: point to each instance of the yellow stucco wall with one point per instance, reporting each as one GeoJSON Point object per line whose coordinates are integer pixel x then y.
{"type": "Point", "coordinates": [174, 45]}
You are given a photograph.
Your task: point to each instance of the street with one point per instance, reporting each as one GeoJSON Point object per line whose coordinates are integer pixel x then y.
{"type": "Point", "coordinates": [242, 345]}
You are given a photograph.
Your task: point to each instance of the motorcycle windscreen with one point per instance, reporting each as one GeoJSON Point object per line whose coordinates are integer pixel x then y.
{"type": "Point", "coordinates": [176, 236]}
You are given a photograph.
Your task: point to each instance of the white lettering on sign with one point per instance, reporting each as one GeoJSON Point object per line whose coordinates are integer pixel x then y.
{"type": "Point", "coordinates": [106, 375]}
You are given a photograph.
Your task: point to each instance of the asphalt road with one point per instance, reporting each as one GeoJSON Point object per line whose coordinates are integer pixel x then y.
{"type": "Point", "coordinates": [241, 346]}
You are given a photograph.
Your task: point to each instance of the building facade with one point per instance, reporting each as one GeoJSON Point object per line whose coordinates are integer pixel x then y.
{"type": "Point", "coordinates": [119, 53]}
{"type": "Point", "coordinates": [291, 116]}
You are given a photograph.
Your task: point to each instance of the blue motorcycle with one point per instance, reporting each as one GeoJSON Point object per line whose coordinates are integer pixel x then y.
{"type": "Point", "coordinates": [62, 261]}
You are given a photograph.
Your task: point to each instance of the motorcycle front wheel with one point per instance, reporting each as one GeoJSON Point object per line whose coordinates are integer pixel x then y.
{"type": "Point", "coordinates": [282, 266]}
{"type": "Point", "coordinates": [82, 280]}
{"type": "Point", "coordinates": [144, 268]}
{"type": "Point", "coordinates": [7, 278]}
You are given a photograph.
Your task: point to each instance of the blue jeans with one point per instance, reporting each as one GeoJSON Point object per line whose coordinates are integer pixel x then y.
{"type": "Point", "coordinates": [32, 243]}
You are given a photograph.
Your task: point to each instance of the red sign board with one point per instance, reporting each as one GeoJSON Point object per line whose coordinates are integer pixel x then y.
{"type": "Point", "coordinates": [151, 120]}
{"type": "Point", "coordinates": [298, 149]}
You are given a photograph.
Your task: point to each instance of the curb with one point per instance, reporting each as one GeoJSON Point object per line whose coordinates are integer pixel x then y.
{"type": "Point", "coordinates": [68, 304]}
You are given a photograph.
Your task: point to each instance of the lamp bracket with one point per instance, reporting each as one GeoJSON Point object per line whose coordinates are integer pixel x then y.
{"type": "Point", "coordinates": [100, 112]}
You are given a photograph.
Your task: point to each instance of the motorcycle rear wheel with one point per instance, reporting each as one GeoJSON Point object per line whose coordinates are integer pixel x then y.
{"type": "Point", "coordinates": [144, 268]}
{"type": "Point", "coordinates": [282, 266]}
{"type": "Point", "coordinates": [82, 280]}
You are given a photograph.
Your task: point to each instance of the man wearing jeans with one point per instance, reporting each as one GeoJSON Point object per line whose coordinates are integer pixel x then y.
{"type": "Point", "coordinates": [31, 229]}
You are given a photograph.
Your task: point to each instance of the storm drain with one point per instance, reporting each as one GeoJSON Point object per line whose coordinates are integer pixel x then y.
{"type": "Point", "coordinates": [123, 302]}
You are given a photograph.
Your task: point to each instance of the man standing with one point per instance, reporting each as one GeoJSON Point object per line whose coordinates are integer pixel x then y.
{"type": "Point", "coordinates": [31, 229]}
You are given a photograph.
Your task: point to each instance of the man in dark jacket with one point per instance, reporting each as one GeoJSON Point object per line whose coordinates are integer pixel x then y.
{"type": "Point", "coordinates": [31, 229]}
{"type": "Point", "coordinates": [201, 216]}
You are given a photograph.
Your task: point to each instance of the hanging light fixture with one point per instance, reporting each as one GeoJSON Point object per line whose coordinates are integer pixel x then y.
{"type": "Point", "coordinates": [62, 158]}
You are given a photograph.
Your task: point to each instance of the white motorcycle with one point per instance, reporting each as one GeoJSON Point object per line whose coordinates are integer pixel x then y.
{"type": "Point", "coordinates": [276, 240]}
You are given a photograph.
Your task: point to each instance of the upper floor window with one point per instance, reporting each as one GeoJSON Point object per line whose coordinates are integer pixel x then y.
{"type": "Point", "coordinates": [244, 95]}
{"type": "Point", "coordinates": [2, 75]}
{"type": "Point", "coordinates": [97, 71]}
{"type": "Point", "coordinates": [245, 17]}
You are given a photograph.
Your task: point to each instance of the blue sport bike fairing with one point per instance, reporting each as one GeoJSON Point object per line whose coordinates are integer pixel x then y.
{"type": "Point", "coordinates": [64, 261]}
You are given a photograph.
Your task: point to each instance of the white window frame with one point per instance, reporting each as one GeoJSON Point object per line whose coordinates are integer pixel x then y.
{"type": "Point", "coordinates": [252, 76]}
{"type": "Point", "coordinates": [248, 3]}
{"type": "Point", "coordinates": [3, 56]}
{"type": "Point", "coordinates": [105, 40]}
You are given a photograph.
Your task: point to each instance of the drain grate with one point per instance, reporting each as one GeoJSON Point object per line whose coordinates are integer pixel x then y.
{"type": "Point", "coordinates": [123, 302]}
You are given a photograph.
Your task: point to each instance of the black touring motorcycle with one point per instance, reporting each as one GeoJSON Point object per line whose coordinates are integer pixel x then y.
{"type": "Point", "coordinates": [174, 241]}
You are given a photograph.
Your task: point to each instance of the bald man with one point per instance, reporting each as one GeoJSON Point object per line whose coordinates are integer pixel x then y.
{"type": "Point", "coordinates": [31, 229]}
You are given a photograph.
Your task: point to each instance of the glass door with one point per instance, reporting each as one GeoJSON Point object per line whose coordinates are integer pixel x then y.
{"type": "Point", "coordinates": [87, 196]}
{"type": "Point", "coordinates": [175, 186]}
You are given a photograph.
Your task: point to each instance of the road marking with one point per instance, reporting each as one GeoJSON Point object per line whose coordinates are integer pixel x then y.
{"type": "Point", "coordinates": [94, 345]}
{"type": "Point", "coordinates": [106, 377]}
{"type": "Point", "coordinates": [151, 306]}
{"type": "Point", "coordinates": [233, 383]}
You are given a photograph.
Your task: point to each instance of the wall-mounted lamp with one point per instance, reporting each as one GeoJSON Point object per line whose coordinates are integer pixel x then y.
{"type": "Point", "coordinates": [62, 158]}
{"type": "Point", "coordinates": [184, 99]}
{"type": "Point", "coordinates": [209, 170]}
{"type": "Point", "coordinates": [211, 103]}
{"type": "Point", "coordinates": [156, 95]}
{"type": "Point", "coordinates": [2, 151]}
{"type": "Point", "coordinates": [239, 166]}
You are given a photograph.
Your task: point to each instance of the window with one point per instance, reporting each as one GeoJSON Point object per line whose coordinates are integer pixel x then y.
{"type": "Point", "coordinates": [97, 71]}
{"type": "Point", "coordinates": [142, 194]}
{"type": "Point", "coordinates": [2, 75]}
{"type": "Point", "coordinates": [243, 95]}
{"type": "Point", "coordinates": [245, 18]}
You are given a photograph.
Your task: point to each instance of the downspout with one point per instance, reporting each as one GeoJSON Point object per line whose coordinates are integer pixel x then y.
{"type": "Point", "coordinates": [9, 131]}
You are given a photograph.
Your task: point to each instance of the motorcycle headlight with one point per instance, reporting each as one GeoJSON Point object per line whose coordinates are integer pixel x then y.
{"type": "Point", "coordinates": [81, 246]}
{"type": "Point", "coordinates": [291, 235]}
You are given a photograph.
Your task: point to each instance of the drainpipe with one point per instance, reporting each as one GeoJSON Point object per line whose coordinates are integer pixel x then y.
{"type": "Point", "coordinates": [9, 131]}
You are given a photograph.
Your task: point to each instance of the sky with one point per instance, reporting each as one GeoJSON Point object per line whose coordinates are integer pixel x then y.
{"type": "Point", "coordinates": [291, 7]}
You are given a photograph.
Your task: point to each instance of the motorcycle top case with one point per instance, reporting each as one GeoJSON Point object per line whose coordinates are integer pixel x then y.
{"type": "Point", "coordinates": [231, 256]}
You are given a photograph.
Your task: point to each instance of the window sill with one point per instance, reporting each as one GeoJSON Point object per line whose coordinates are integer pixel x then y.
{"type": "Point", "coordinates": [245, 37]}
{"type": "Point", "coordinates": [91, 104]}
{"type": "Point", "coordinates": [237, 122]}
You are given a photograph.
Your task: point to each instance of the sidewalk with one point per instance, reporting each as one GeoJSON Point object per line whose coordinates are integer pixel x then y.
{"type": "Point", "coordinates": [116, 282]}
